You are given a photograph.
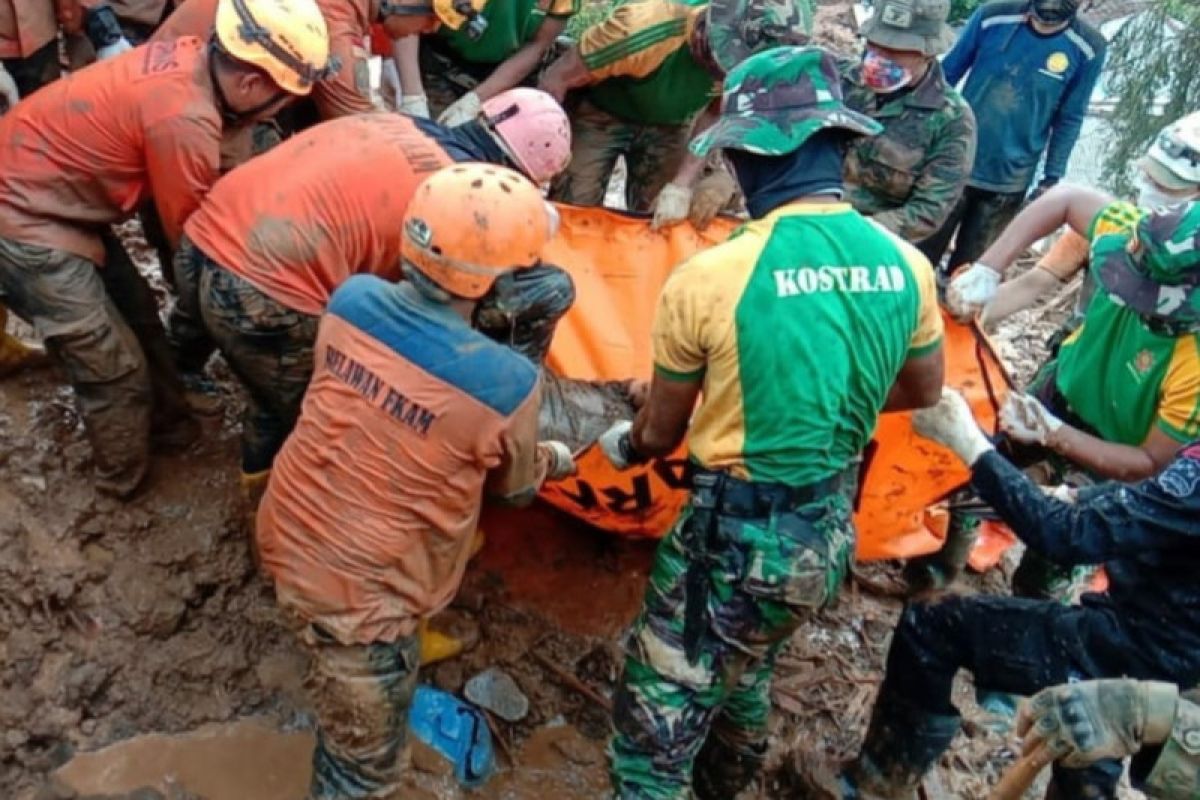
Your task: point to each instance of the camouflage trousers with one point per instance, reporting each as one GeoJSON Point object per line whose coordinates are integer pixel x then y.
{"type": "Point", "coordinates": [652, 156]}
{"type": "Point", "coordinates": [267, 345]}
{"type": "Point", "coordinates": [361, 695]}
{"type": "Point", "coordinates": [975, 222]}
{"type": "Point", "coordinates": [768, 563]}
{"type": "Point", "coordinates": [102, 324]}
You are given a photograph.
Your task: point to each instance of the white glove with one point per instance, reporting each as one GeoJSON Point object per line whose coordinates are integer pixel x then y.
{"type": "Point", "coordinates": [671, 205]}
{"type": "Point", "coordinates": [971, 290]}
{"type": "Point", "coordinates": [415, 105]}
{"type": "Point", "coordinates": [1062, 492]}
{"type": "Point", "coordinates": [8, 90]}
{"type": "Point", "coordinates": [615, 445]}
{"type": "Point", "coordinates": [464, 109]}
{"type": "Point", "coordinates": [115, 49]}
{"type": "Point", "coordinates": [1025, 419]}
{"type": "Point", "coordinates": [950, 423]}
{"type": "Point", "coordinates": [558, 457]}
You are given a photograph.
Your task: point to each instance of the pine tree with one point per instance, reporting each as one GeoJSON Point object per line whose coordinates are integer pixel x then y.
{"type": "Point", "coordinates": [1143, 68]}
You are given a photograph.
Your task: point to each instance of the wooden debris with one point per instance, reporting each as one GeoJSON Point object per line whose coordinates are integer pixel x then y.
{"type": "Point", "coordinates": [569, 680]}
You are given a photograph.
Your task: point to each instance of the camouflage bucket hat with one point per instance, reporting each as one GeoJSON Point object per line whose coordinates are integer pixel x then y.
{"type": "Point", "coordinates": [737, 29]}
{"type": "Point", "coordinates": [1159, 279]}
{"type": "Point", "coordinates": [775, 100]}
{"type": "Point", "coordinates": [915, 25]}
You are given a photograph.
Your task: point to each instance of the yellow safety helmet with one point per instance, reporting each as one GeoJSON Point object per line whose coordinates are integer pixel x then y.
{"type": "Point", "coordinates": [287, 39]}
{"type": "Point", "coordinates": [454, 14]}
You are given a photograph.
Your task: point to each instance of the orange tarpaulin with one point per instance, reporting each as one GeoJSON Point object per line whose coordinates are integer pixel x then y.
{"type": "Point", "coordinates": [619, 265]}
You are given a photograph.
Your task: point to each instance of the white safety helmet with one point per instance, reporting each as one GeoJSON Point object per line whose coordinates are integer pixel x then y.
{"type": "Point", "coordinates": [1174, 159]}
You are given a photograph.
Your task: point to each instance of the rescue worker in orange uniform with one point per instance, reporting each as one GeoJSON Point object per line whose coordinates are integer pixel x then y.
{"type": "Point", "coordinates": [83, 153]}
{"type": "Point", "coordinates": [349, 23]}
{"type": "Point", "coordinates": [29, 44]}
{"type": "Point", "coordinates": [279, 234]}
{"type": "Point", "coordinates": [412, 418]}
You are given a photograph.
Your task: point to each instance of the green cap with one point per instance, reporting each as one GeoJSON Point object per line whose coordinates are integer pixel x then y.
{"type": "Point", "coordinates": [775, 100]}
{"type": "Point", "coordinates": [737, 29]}
{"type": "Point", "coordinates": [918, 26]}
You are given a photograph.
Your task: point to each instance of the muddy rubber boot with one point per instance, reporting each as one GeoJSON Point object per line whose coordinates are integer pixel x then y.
{"type": "Point", "coordinates": [938, 570]}
{"type": "Point", "coordinates": [435, 645]}
{"type": "Point", "coordinates": [723, 769]}
{"type": "Point", "coordinates": [253, 487]}
{"type": "Point", "coordinates": [15, 355]}
{"type": "Point", "coordinates": [902, 743]}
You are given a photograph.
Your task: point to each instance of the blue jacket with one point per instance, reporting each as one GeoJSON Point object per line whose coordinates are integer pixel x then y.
{"type": "Point", "coordinates": [1026, 90]}
{"type": "Point", "coordinates": [1147, 536]}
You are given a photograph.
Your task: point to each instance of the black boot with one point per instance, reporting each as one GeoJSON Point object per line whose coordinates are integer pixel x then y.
{"type": "Point", "coordinates": [902, 743]}
{"type": "Point", "coordinates": [939, 570]}
{"type": "Point", "coordinates": [723, 768]}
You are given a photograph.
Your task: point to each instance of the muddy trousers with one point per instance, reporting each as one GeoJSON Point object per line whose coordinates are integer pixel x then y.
{"type": "Point", "coordinates": [361, 695]}
{"type": "Point", "coordinates": [760, 561]}
{"type": "Point", "coordinates": [268, 346]}
{"type": "Point", "coordinates": [975, 222]}
{"type": "Point", "coordinates": [103, 325]}
{"type": "Point", "coordinates": [652, 154]}
{"type": "Point", "coordinates": [1009, 645]}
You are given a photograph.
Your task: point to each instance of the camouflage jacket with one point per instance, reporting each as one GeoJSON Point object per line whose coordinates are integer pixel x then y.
{"type": "Point", "coordinates": [1176, 773]}
{"type": "Point", "coordinates": [910, 176]}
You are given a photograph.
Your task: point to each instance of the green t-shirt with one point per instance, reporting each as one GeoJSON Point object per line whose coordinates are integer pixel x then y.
{"type": "Point", "coordinates": [1115, 373]}
{"type": "Point", "coordinates": [798, 325]}
{"type": "Point", "coordinates": [511, 23]}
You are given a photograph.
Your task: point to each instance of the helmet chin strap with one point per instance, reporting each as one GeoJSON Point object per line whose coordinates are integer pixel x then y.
{"type": "Point", "coordinates": [230, 115]}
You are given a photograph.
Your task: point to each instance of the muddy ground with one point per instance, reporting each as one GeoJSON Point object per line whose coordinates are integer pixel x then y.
{"type": "Point", "coordinates": [121, 622]}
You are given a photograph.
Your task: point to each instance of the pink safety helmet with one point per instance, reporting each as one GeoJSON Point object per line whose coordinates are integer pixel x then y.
{"type": "Point", "coordinates": [532, 128]}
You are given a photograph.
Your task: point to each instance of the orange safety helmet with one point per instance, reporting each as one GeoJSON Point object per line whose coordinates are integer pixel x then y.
{"type": "Point", "coordinates": [287, 39]}
{"type": "Point", "coordinates": [468, 224]}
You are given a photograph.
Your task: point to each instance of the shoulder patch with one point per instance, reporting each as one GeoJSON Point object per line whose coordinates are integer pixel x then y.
{"type": "Point", "coordinates": [1182, 477]}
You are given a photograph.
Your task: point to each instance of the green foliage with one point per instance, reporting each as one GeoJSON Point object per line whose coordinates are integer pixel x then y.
{"type": "Point", "coordinates": [1141, 68]}
{"type": "Point", "coordinates": [961, 10]}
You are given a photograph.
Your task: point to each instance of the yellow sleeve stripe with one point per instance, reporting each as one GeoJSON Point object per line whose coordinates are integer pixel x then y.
{"type": "Point", "coordinates": [644, 39]}
{"type": "Point", "coordinates": [1118, 217]}
{"type": "Point", "coordinates": [562, 8]}
{"type": "Point", "coordinates": [1179, 412]}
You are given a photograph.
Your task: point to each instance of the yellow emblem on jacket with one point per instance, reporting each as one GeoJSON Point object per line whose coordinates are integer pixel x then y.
{"type": "Point", "coordinates": [1058, 63]}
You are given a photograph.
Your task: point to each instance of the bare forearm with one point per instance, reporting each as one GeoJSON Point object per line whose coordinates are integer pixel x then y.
{"type": "Point", "coordinates": [1120, 462]}
{"type": "Point", "coordinates": [1062, 205]}
{"type": "Point", "coordinates": [566, 73]}
{"type": "Point", "coordinates": [1018, 294]}
{"type": "Point", "coordinates": [653, 439]}
{"type": "Point", "coordinates": [405, 52]}
{"type": "Point", "coordinates": [510, 72]}
{"type": "Point", "coordinates": [692, 166]}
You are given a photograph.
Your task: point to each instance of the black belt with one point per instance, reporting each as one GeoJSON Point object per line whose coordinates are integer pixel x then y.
{"type": "Point", "coordinates": [739, 498]}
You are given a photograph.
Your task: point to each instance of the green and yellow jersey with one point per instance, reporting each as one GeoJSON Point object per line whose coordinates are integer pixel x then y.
{"type": "Point", "coordinates": [1115, 373]}
{"type": "Point", "coordinates": [798, 326]}
{"type": "Point", "coordinates": [511, 24]}
{"type": "Point", "coordinates": [642, 65]}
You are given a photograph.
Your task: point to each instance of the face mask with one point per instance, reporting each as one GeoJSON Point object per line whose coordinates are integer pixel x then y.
{"type": "Point", "coordinates": [1054, 12]}
{"type": "Point", "coordinates": [881, 74]}
{"type": "Point", "coordinates": [1151, 197]}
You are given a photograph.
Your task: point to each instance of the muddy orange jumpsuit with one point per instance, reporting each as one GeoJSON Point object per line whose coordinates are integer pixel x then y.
{"type": "Point", "coordinates": [367, 522]}
{"type": "Point", "coordinates": [75, 157]}
{"type": "Point", "coordinates": [349, 23]}
{"type": "Point", "coordinates": [277, 235]}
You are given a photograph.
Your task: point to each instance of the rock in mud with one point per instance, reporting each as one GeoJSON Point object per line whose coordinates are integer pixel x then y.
{"type": "Point", "coordinates": [496, 691]}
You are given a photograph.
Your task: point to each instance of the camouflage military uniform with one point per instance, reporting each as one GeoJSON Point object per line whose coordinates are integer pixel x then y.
{"type": "Point", "coordinates": [910, 176]}
{"type": "Point", "coordinates": [767, 536]}
{"type": "Point", "coordinates": [1176, 772]}
{"type": "Point", "coordinates": [654, 64]}
{"type": "Point", "coordinates": [769, 566]}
